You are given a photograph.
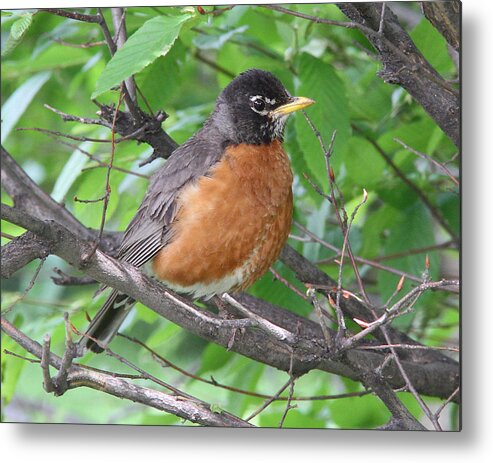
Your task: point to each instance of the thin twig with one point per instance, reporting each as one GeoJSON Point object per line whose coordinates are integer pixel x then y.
{"type": "Point", "coordinates": [397, 289]}
{"type": "Point", "coordinates": [45, 364]}
{"type": "Point", "coordinates": [215, 383]}
{"type": "Point", "coordinates": [312, 295]}
{"type": "Point", "coordinates": [286, 283]}
{"type": "Point", "coordinates": [433, 210]}
{"type": "Point", "coordinates": [450, 244]}
{"type": "Point", "coordinates": [279, 333]}
{"type": "Point", "coordinates": [147, 375]}
{"type": "Point", "coordinates": [408, 346]}
{"type": "Point", "coordinates": [449, 399]}
{"type": "Point", "coordinates": [119, 25]}
{"type": "Point", "coordinates": [340, 317]}
{"type": "Point", "coordinates": [82, 120]}
{"type": "Point", "coordinates": [69, 354]}
{"type": "Point", "coordinates": [341, 216]}
{"type": "Point", "coordinates": [395, 310]}
{"type": "Point", "coordinates": [213, 65]}
{"type": "Point", "coordinates": [360, 260]}
{"type": "Point", "coordinates": [27, 289]}
{"type": "Point", "coordinates": [91, 156]}
{"type": "Point", "coordinates": [382, 19]}
{"type": "Point", "coordinates": [291, 393]}
{"type": "Point", "coordinates": [428, 158]}
{"type": "Point", "coordinates": [88, 18]}
{"type": "Point", "coordinates": [269, 401]}
{"type": "Point", "coordinates": [410, 385]}
{"type": "Point", "coordinates": [78, 45]}
{"type": "Point", "coordinates": [130, 136]}
{"type": "Point", "coordinates": [106, 197]}
{"type": "Point", "coordinates": [7, 235]}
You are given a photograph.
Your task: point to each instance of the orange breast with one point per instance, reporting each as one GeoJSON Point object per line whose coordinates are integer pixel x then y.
{"type": "Point", "coordinates": [231, 225]}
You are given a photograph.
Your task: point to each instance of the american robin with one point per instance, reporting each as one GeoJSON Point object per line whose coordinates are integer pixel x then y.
{"type": "Point", "coordinates": [217, 214]}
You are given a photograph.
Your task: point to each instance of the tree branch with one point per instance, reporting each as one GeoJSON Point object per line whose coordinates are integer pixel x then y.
{"type": "Point", "coordinates": [403, 64]}
{"type": "Point", "coordinates": [437, 378]}
{"type": "Point", "coordinates": [78, 376]}
{"type": "Point", "coordinates": [445, 17]}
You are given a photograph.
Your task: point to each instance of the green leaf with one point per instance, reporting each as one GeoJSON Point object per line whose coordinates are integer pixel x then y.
{"type": "Point", "coordinates": [319, 81]}
{"type": "Point", "coordinates": [433, 46]}
{"type": "Point", "coordinates": [11, 367]}
{"type": "Point", "coordinates": [214, 358]}
{"type": "Point", "coordinates": [71, 170]}
{"type": "Point", "coordinates": [56, 57]}
{"type": "Point", "coordinates": [364, 164]}
{"type": "Point", "coordinates": [301, 187]}
{"type": "Point", "coordinates": [155, 38]}
{"type": "Point", "coordinates": [358, 412]}
{"type": "Point", "coordinates": [370, 98]}
{"type": "Point", "coordinates": [92, 185]}
{"type": "Point", "coordinates": [409, 228]}
{"type": "Point", "coordinates": [167, 68]}
{"type": "Point", "coordinates": [17, 103]}
{"type": "Point", "coordinates": [17, 32]}
{"type": "Point", "coordinates": [415, 134]}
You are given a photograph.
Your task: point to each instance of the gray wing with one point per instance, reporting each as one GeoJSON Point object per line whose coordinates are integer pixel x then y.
{"type": "Point", "coordinates": [149, 230]}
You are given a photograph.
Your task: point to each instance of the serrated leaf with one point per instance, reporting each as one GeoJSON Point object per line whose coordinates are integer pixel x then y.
{"type": "Point", "coordinates": [17, 32]}
{"type": "Point", "coordinates": [364, 164]}
{"type": "Point", "coordinates": [155, 38]}
{"type": "Point", "coordinates": [319, 81]}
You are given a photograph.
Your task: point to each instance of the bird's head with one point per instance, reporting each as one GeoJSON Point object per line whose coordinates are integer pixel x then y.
{"type": "Point", "coordinates": [254, 108]}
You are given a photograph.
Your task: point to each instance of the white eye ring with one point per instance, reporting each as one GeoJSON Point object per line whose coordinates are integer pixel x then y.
{"type": "Point", "coordinates": [258, 104]}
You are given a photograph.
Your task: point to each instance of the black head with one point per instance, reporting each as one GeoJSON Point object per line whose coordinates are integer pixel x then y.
{"type": "Point", "coordinates": [254, 108]}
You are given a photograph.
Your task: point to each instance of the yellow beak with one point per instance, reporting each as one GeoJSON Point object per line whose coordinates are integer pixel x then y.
{"type": "Point", "coordinates": [296, 103]}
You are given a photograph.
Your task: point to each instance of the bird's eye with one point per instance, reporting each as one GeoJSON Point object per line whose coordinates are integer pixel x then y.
{"type": "Point", "coordinates": [259, 104]}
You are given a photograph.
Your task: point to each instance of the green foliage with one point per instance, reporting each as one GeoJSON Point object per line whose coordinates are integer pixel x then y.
{"type": "Point", "coordinates": [154, 39]}
{"type": "Point", "coordinates": [17, 32]}
{"type": "Point", "coordinates": [181, 60]}
{"type": "Point", "coordinates": [320, 81]}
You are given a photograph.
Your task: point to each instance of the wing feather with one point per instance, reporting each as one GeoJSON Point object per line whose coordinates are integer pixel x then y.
{"type": "Point", "coordinates": [150, 228]}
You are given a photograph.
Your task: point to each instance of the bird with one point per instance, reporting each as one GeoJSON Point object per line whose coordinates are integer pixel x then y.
{"type": "Point", "coordinates": [218, 212]}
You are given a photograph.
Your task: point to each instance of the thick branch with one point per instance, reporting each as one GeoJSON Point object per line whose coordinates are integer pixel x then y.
{"type": "Point", "coordinates": [445, 17]}
{"type": "Point", "coordinates": [152, 132]}
{"type": "Point", "coordinates": [28, 197]}
{"type": "Point", "coordinates": [22, 250]}
{"type": "Point", "coordinates": [437, 378]}
{"type": "Point", "coordinates": [404, 64]}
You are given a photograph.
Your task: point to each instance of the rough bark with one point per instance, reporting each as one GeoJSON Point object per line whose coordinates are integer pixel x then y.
{"type": "Point", "coordinates": [404, 65]}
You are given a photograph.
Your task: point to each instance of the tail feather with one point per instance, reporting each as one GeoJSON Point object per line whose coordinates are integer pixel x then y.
{"type": "Point", "coordinates": [107, 321]}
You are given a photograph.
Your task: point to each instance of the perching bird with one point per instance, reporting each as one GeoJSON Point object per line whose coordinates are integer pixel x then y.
{"type": "Point", "coordinates": [217, 214]}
